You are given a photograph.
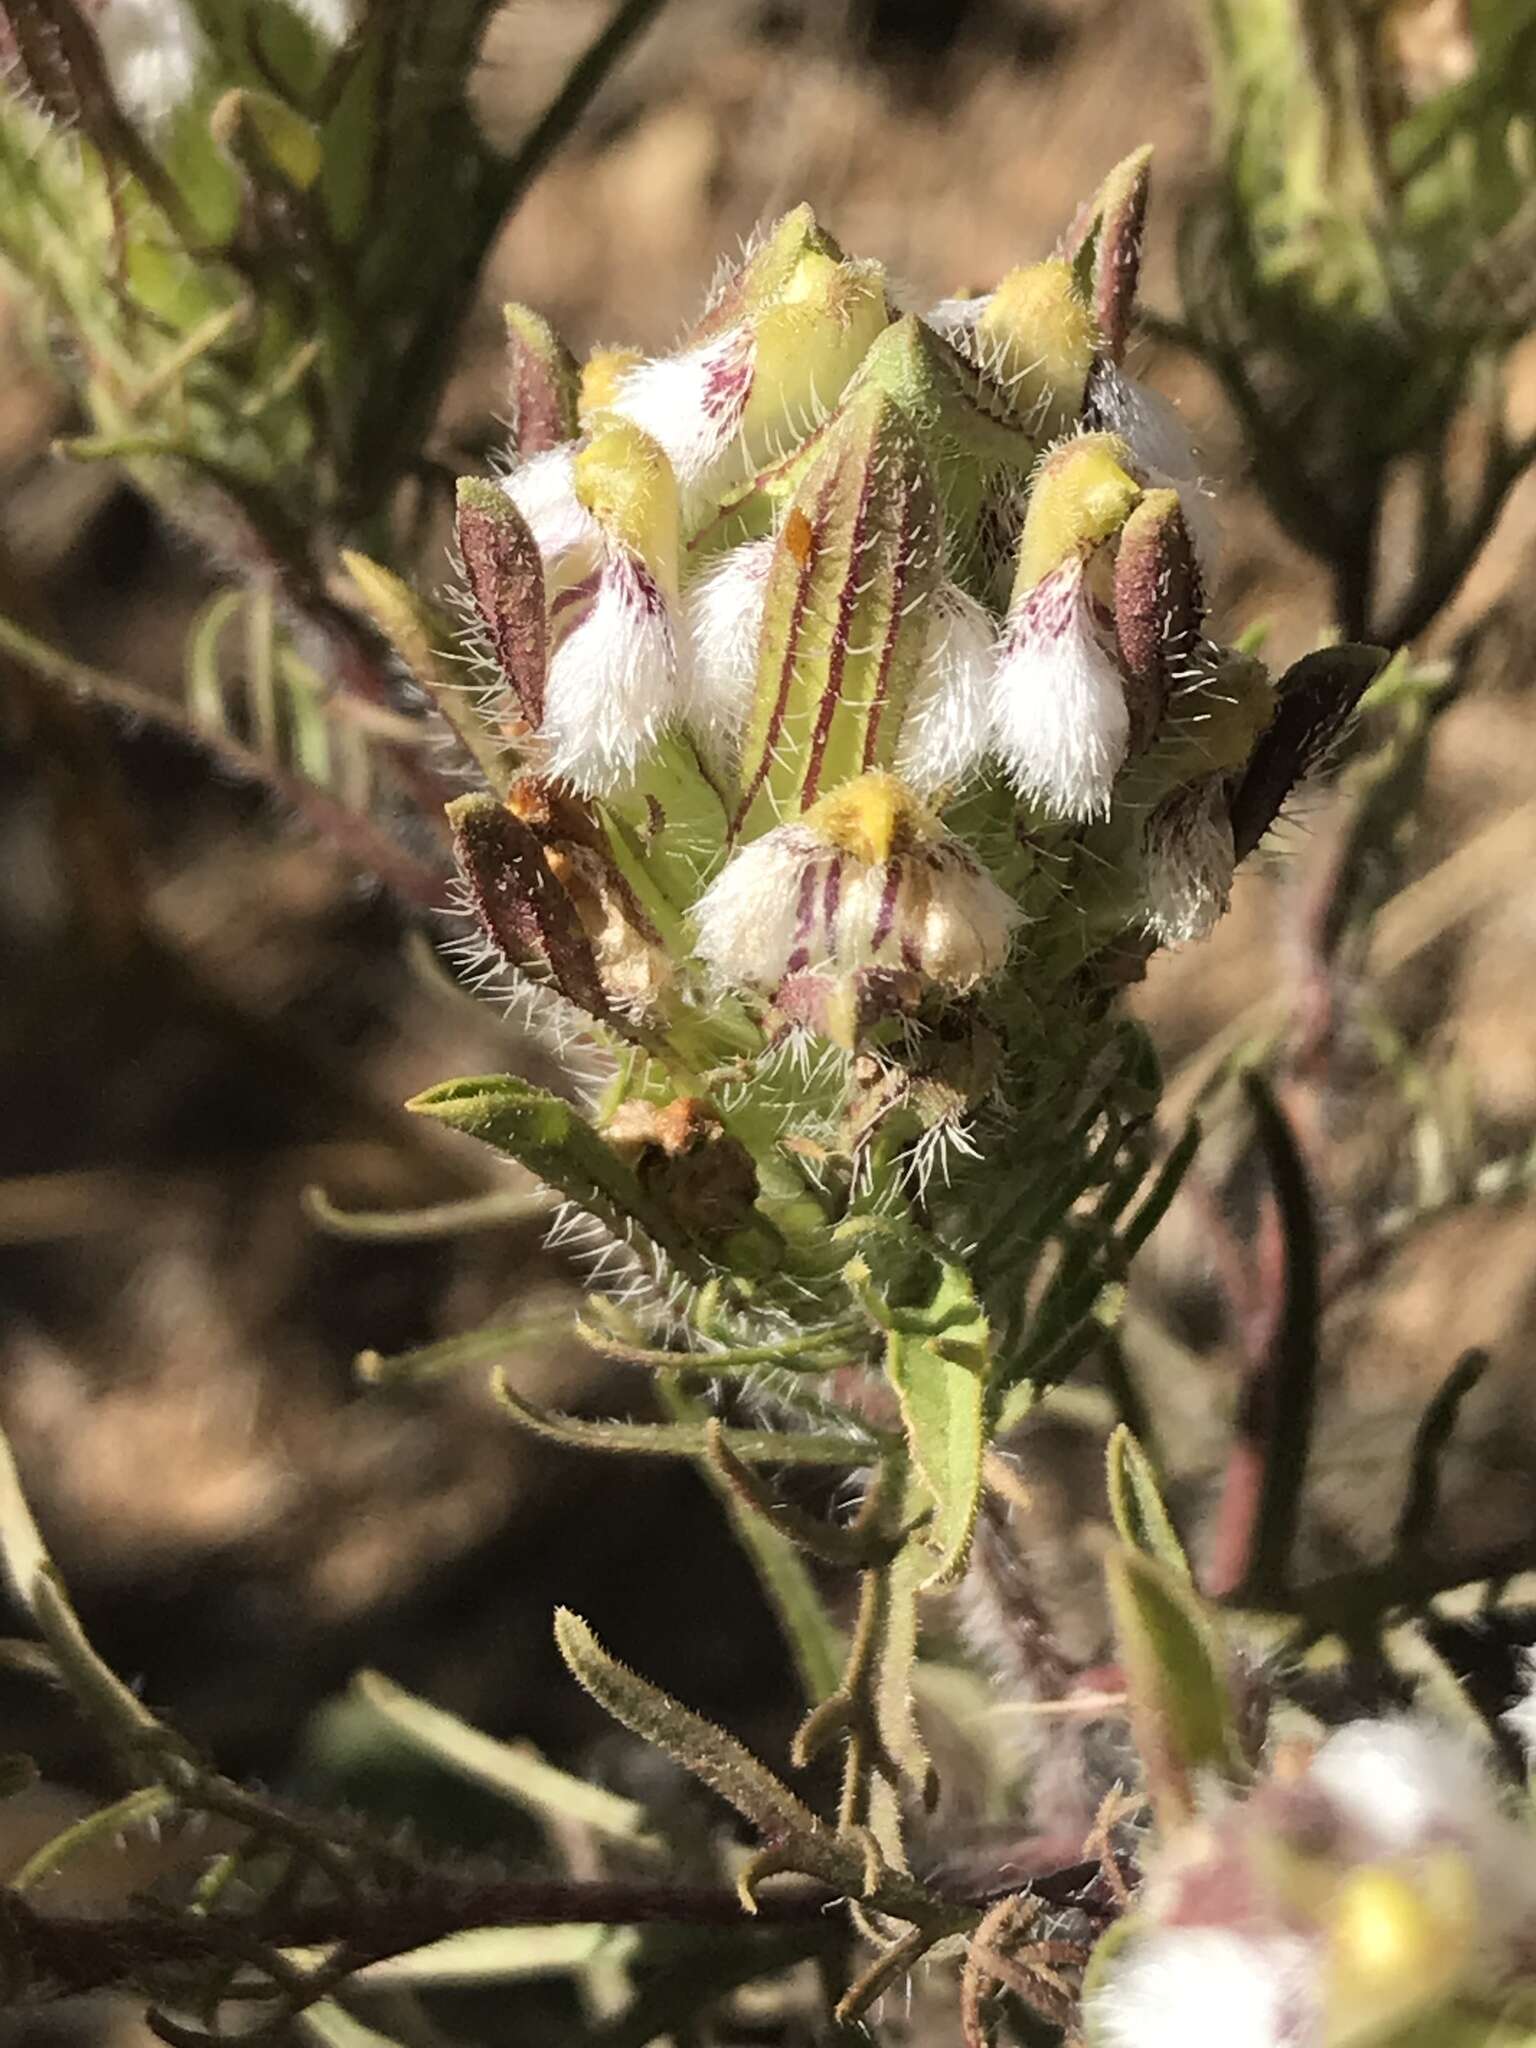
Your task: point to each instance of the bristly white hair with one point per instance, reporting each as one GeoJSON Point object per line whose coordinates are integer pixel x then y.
{"type": "Point", "coordinates": [1210, 1987]}
{"type": "Point", "coordinates": [567, 535]}
{"type": "Point", "coordinates": [944, 733]}
{"type": "Point", "coordinates": [1059, 716]}
{"type": "Point", "coordinates": [725, 619]}
{"type": "Point", "coordinates": [692, 403]}
{"type": "Point", "coordinates": [612, 682]}
{"type": "Point", "coordinates": [1187, 863]}
{"type": "Point", "coordinates": [1163, 449]}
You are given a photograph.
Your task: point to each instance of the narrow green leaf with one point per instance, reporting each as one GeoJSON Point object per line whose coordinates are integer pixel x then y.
{"type": "Point", "coordinates": [1136, 1503]}
{"type": "Point", "coordinates": [107, 1824]}
{"type": "Point", "coordinates": [419, 632]}
{"type": "Point", "coordinates": [943, 1408]}
{"type": "Point", "coordinates": [688, 1440]}
{"type": "Point", "coordinates": [498, 1955]}
{"type": "Point", "coordinates": [1181, 1707]}
{"type": "Point", "coordinates": [513, 1771]}
{"type": "Point", "coordinates": [723, 1763]}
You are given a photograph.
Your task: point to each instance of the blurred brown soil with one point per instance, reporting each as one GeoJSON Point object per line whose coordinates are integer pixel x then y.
{"type": "Point", "coordinates": [202, 1013]}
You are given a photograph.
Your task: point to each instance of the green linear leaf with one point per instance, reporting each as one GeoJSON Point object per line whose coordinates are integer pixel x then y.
{"type": "Point", "coordinates": [513, 1771]}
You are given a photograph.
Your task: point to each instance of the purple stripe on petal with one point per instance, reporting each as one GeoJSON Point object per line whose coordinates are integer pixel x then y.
{"type": "Point", "coordinates": [885, 917]}
{"type": "Point", "coordinates": [805, 912]}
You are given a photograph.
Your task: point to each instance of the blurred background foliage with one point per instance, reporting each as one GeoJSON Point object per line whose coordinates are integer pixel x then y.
{"type": "Point", "coordinates": [205, 1011]}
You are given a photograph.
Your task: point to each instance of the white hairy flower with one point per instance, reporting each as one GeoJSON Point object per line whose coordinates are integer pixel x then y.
{"type": "Point", "coordinates": [866, 879]}
{"type": "Point", "coordinates": [155, 50]}
{"type": "Point", "coordinates": [692, 404]}
{"type": "Point", "coordinates": [1407, 1787]}
{"type": "Point", "coordinates": [1059, 717]}
{"type": "Point", "coordinates": [725, 618]}
{"type": "Point", "coordinates": [1163, 448]}
{"type": "Point", "coordinates": [568, 538]}
{"type": "Point", "coordinates": [1521, 1717]}
{"type": "Point", "coordinates": [1188, 860]}
{"type": "Point", "coordinates": [612, 680]}
{"type": "Point", "coordinates": [944, 733]}
{"type": "Point", "coordinates": [1210, 1987]}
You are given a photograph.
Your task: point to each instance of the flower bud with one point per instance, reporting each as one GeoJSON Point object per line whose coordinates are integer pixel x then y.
{"type": "Point", "coordinates": [542, 380]}
{"type": "Point", "coordinates": [1061, 720]}
{"type": "Point", "coordinates": [1159, 609]}
{"type": "Point", "coordinates": [769, 359]}
{"type": "Point", "coordinates": [868, 878]}
{"type": "Point", "coordinates": [1161, 446]}
{"type": "Point", "coordinates": [1104, 247]}
{"type": "Point", "coordinates": [1035, 337]}
{"type": "Point", "coordinates": [506, 582]}
{"type": "Point", "coordinates": [604, 517]}
{"type": "Point", "coordinates": [843, 636]}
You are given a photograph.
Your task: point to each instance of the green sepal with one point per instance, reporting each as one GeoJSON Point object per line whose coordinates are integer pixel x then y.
{"type": "Point", "coordinates": [857, 552]}
{"type": "Point", "coordinates": [560, 1148]}
{"type": "Point", "coordinates": [973, 441]}
{"type": "Point", "coordinates": [1104, 248]}
{"type": "Point", "coordinates": [544, 381]}
{"type": "Point", "coordinates": [272, 141]}
{"type": "Point", "coordinates": [1136, 1505]}
{"type": "Point", "coordinates": [1182, 1714]}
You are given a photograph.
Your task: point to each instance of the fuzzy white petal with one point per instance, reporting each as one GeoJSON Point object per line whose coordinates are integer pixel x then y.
{"type": "Point", "coordinates": [944, 733]}
{"type": "Point", "coordinates": [725, 617]}
{"type": "Point", "coordinates": [1059, 716]}
{"type": "Point", "coordinates": [692, 404]}
{"type": "Point", "coordinates": [1153, 428]}
{"type": "Point", "coordinates": [746, 920]}
{"type": "Point", "coordinates": [544, 490]}
{"type": "Point", "coordinates": [791, 902]}
{"type": "Point", "coordinates": [1406, 1785]}
{"type": "Point", "coordinates": [153, 51]}
{"type": "Point", "coordinates": [331, 19]}
{"type": "Point", "coordinates": [612, 681]}
{"type": "Point", "coordinates": [1209, 1987]}
{"type": "Point", "coordinates": [1521, 1717]}
{"type": "Point", "coordinates": [1188, 859]}
{"type": "Point", "coordinates": [956, 319]}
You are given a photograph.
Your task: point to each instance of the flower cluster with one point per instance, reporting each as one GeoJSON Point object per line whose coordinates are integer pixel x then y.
{"type": "Point", "coordinates": [1371, 1887]}
{"type": "Point", "coordinates": [888, 631]}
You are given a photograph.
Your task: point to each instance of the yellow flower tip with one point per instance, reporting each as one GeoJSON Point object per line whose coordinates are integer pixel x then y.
{"type": "Point", "coordinates": [625, 481]}
{"type": "Point", "coordinates": [872, 818]}
{"type": "Point", "coordinates": [1083, 493]}
{"type": "Point", "coordinates": [601, 375]}
{"type": "Point", "coordinates": [1036, 334]}
{"type": "Point", "coordinates": [1399, 1940]}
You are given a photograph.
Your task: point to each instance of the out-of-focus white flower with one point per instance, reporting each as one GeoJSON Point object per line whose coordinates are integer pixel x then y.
{"type": "Point", "coordinates": [867, 878]}
{"type": "Point", "coordinates": [1521, 1717]}
{"type": "Point", "coordinates": [725, 619]}
{"type": "Point", "coordinates": [1188, 860]}
{"type": "Point", "coordinates": [944, 733]}
{"type": "Point", "coordinates": [1059, 716]}
{"type": "Point", "coordinates": [153, 51]}
{"type": "Point", "coordinates": [1164, 450]}
{"type": "Point", "coordinates": [1210, 1987]}
{"type": "Point", "coordinates": [1330, 1909]}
